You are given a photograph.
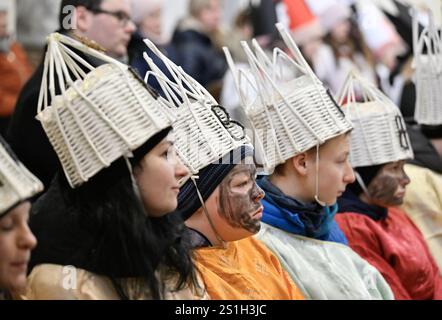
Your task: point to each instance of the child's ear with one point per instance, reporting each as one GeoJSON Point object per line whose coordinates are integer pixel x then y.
{"type": "Point", "coordinates": [300, 163]}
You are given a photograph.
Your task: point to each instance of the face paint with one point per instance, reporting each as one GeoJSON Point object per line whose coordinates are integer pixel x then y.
{"type": "Point", "coordinates": [239, 197]}
{"type": "Point", "coordinates": [388, 187]}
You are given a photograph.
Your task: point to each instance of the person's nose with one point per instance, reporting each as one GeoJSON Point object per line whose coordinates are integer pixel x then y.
{"type": "Point", "coordinates": [181, 170]}
{"type": "Point", "coordinates": [405, 180]}
{"type": "Point", "coordinates": [349, 176]}
{"type": "Point", "coordinates": [26, 239]}
{"type": "Point", "coordinates": [130, 27]}
{"type": "Point", "coordinates": [258, 193]}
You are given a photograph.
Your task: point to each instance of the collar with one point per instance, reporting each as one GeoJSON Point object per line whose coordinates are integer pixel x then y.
{"type": "Point", "coordinates": [197, 239]}
{"type": "Point", "coordinates": [286, 213]}
{"type": "Point", "coordinates": [350, 202]}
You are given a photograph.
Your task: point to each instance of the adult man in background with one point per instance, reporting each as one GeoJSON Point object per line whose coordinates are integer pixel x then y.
{"type": "Point", "coordinates": [108, 23]}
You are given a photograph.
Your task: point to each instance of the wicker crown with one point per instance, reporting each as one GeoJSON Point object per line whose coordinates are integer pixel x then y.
{"type": "Point", "coordinates": [290, 110]}
{"type": "Point", "coordinates": [17, 184]}
{"type": "Point", "coordinates": [428, 73]}
{"type": "Point", "coordinates": [204, 130]}
{"type": "Point", "coordinates": [379, 134]}
{"type": "Point", "coordinates": [99, 114]}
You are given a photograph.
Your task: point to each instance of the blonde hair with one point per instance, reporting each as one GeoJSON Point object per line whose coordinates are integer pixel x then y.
{"type": "Point", "coordinates": [196, 6]}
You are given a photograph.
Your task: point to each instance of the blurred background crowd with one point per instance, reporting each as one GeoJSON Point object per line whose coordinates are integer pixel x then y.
{"type": "Point", "coordinates": [335, 36]}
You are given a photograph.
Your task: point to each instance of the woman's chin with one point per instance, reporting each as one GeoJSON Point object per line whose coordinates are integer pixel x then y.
{"type": "Point", "coordinates": [164, 210]}
{"type": "Point", "coordinates": [17, 285]}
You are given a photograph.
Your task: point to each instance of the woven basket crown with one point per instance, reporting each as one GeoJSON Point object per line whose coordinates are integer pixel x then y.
{"type": "Point", "coordinates": [291, 111]}
{"type": "Point", "coordinates": [428, 73]}
{"type": "Point", "coordinates": [204, 130]}
{"type": "Point", "coordinates": [17, 184]}
{"type": "Point", "coordinates": [379, 134]}
{"type": "Point", "coordinates": [99, 115]}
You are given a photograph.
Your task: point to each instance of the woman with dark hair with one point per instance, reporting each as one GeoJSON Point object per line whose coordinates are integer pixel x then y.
{"type": "Point", "coordinates": [103, 226]}
{"type": "Point", "coordinates": [17, 186]}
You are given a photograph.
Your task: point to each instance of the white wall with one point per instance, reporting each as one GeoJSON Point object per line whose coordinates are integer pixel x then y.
{"type": "Point", "coordinates": [173, 11]}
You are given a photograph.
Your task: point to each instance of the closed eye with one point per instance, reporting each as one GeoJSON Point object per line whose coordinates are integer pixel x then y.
{"type": "Point", "coordinates": [7, 227]}
{"type": "Point", "coordinates": [342, 160]}
{"type": "Point", "coordinates": [244, 183]}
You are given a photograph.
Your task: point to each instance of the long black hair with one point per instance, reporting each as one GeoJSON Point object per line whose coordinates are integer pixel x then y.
{"type": "Point", "coordinates": [104, 229]}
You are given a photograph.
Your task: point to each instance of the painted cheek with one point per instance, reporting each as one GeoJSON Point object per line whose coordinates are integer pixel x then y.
{"type": "Point", "coordinates": [240, 205]}
{"type": "Point", "coordinates": [384, 188]}
{"type": "Point", "coordinates": [250, 224]}
{"type": "Point", "coordinates": [236, 209]}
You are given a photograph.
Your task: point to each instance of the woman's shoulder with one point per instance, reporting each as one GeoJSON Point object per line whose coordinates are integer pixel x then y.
{"type": "Point", "coordinates": [196, 291]}
{"type": "Point", "coordinates": [57, 282]}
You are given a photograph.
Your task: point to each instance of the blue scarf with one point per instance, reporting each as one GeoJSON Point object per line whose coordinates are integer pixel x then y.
{"type": "Point", "coordinates": [309, 220]}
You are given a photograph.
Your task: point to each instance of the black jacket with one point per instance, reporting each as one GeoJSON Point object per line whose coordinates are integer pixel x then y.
{"type": "Point", "coordinates": [137, 48]}
{"type": "Point", "coordinates": [26, 135]}
{"type": "Point", "coordinates": [198, 56]}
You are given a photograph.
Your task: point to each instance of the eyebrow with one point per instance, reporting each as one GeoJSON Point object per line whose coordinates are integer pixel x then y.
{"type": "Point", "coordinates": [244, 169]}
{"type": "Point", "coordinates": [167, 143]}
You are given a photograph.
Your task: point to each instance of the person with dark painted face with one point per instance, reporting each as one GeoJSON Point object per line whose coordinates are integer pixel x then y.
{"type": "Point", "coordinates": [220, 202]}
{"type": "Point", "coordinates": [223, 211]}
{"type": "Point", "coordinates": [309, 174]}
{"type": "Point", "coordinates": [369, 215]}
{"type": "Point", "coordinates": [17, 186]}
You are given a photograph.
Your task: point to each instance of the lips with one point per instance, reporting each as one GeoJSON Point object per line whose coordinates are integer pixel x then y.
{"type": "Point", "coordinates": [20, 265]}
{"type": "Point", "coordinates": [258, 213]}
{"type": "Point", "coordinates": [400, 194]}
